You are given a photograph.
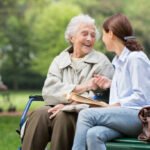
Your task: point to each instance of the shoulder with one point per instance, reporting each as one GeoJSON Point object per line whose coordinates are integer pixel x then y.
{"type": "Point", "coordinates": [63, 59]}
{"type": "Point", "coordinates": [61, 56]}
{"type": "Point", "coordinates": [137, 56]}
{"type": "Point", "coordinates": [99, 56]}
{"type": "Point", "coordinates": [96, 57]}
{"type": "Point", "coordinates": [138, 60]}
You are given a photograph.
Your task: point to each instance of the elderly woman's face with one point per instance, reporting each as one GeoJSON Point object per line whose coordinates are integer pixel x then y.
{"type": "Point", "coordinates": [84, 39]}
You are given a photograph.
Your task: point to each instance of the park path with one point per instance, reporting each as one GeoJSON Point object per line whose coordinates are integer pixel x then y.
{"type": "Point", "coordinates": [10, 113]}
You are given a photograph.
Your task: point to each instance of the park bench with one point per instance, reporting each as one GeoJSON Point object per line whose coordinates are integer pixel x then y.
{"type": "Point", "coordinates": [127, 144]}
{"type": "Point", "coordinates": [116, 144]}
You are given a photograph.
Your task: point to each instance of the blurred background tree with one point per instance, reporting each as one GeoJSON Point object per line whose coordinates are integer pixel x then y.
{"type": "Point", "coordinates": [32, 33]}
{"type": "Point", "coordinates": [47, 32]}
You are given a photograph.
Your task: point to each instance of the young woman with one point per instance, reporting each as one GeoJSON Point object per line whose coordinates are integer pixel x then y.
{"type": "Point", "coordinates": [129, 90]}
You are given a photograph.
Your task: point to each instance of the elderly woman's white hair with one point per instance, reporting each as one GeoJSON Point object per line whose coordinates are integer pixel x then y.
{"type": "Point", "coordinates": [74, 24]}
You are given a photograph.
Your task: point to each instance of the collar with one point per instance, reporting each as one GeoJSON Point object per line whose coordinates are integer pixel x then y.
{"type": "Point", "coordinates": [65, 59]}
{"type": "Point", "coordinates": [119, 60]}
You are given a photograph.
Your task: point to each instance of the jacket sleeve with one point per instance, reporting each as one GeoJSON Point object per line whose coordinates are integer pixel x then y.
{"type": "Point", "coordinates": [54, 90]}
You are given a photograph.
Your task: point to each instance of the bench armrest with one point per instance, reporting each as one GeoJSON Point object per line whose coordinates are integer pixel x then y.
{"type": "Point", "coordinates": [24, 114]}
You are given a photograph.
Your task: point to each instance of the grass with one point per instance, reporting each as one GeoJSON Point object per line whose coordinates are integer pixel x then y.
{"type": "Point", "coordinates": [9, 140]}
{"type": "Point", "coordinates": [19, 100]}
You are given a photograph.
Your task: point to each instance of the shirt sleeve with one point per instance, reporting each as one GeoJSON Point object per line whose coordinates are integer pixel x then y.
{"type": "Point", "coordinates": [54, 90]}
{"type": "Point", "coordinates": [139, 74]}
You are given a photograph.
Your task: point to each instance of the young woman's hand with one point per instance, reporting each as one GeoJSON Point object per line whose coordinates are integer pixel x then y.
{"type": "Point", "coordinates": [102, 82]}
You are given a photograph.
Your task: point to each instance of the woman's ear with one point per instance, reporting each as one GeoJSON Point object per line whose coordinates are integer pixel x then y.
{"type": "Point", "coordinates": [71, 39]}
{"type": "Point", "coordinates": [111, 34]}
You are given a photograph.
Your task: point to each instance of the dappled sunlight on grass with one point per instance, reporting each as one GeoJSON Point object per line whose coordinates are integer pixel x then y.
{"type": "Point", "coordinates": [19, 100]}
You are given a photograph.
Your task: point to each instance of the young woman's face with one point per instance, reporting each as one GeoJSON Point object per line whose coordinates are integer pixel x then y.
{"type": "Point", "coordinates": [108, 41]}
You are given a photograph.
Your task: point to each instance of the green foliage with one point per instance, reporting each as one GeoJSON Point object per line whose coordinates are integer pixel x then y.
{"type": "Point", "coordinates": [32, 33]}
{"type": "Point", "coordinates": [48, 33]}
{"type": "Point", "coordinates": [135, 10]}
{"type": "Point", "coordinates": [140, 20]}
{"type": "Point", "coordinates": [15, 46]}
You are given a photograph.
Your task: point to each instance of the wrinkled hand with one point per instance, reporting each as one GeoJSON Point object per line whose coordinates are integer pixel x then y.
{"type": "Point", "coordinates": [87, 86]}
{"type": "Point", "coordinates": [102, 82]}
{"type": "Point", "coordinates": [53, 111]}
{"type": "Point", "coordinates": [91, 84]}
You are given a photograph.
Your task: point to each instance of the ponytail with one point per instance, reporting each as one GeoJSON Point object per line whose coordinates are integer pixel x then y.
{"type": "Point", "coordinates": [133, 45]}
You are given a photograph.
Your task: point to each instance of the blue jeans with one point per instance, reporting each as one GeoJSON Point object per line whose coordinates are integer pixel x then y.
{"type": "Point", "coordinates": [95, 126]}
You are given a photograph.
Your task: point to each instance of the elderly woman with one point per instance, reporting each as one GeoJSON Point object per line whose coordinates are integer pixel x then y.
{"type": "Point", "coordinates": [73, 70]}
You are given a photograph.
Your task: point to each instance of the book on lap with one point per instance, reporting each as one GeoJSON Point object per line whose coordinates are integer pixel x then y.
{"type": "Point", "coordinates": [80, 102]}
{"type": "Point", "coordinates": [84, 100]}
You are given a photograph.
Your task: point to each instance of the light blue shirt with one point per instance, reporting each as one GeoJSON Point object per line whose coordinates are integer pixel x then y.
{"type": "Point", "coordinates": [131, 81]}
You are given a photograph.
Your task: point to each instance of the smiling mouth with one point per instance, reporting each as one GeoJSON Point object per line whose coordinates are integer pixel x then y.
{"type": "Point", "coordinates": [86, 45]}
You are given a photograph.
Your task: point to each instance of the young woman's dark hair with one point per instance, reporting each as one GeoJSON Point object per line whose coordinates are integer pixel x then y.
{"type": "Point", "coordinates": [121, 27]}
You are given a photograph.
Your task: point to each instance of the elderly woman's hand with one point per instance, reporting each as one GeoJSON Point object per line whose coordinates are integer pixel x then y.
{"type": "Point", "coordinates": [102, 82]}
{"type": "Point", "coordinates": [53, 111]}
{"type": "Point", "coordinates": [91, 85]}
{"type": "Point", "coordinates": [87, 86]}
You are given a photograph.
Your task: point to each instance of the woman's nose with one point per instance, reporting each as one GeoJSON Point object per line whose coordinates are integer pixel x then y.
{"type": "Point", "coordinates": [89, 37]}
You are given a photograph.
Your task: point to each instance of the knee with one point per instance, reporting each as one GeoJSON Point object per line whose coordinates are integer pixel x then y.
{"type": "Point", "coordinates": [96, 135]}
{"type": "Point", "coordinates": [41, 113]}
{"type": "Point", "coordinates": [66, 119]}
{"type": "Point", "coordinates": [91, 135]}
{"type": "Point", "coordinates": [85, 115]}
{"type": "Point", "coordinates": [62, 116]}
